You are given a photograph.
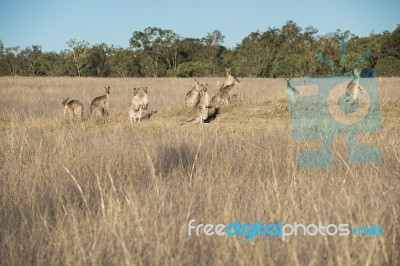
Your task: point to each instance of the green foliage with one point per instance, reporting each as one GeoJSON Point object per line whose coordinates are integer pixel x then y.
{"type": "Point", "coordinates": [4, 66]}
{"type": "Point", "coordinates": [50, 64]}
{"type": "Point", "coordinates": [388, 67]}
{"type": "Point", "coordinates": [98, 55]}
{"type": "Point", "coordinates": [288, 51]}
{"type": "Point", "coordinates": [159, 45]}
{"type": "Point", "coordinates": [253, 55]}
{"type": "Point", "coordinates": [284, 68]}
{"type": "Point", "coordinates": [121, 63]}
{"type": "Point", "coordinates": [192, 69]}
{"type": "Point", "coordinates": [78, 54]}
{"type": "Point", "coordinates": [30, 60]}
{"type": "Point", "coordinates": [391, 44]}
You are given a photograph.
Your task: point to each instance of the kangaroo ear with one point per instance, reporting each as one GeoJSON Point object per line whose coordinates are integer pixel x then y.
{"type": "Point", "coordinates": [145, 90]}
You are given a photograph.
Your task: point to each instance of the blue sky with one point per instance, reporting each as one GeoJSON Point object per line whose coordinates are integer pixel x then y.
{"type": "Point", "coordinates": [51, 23]}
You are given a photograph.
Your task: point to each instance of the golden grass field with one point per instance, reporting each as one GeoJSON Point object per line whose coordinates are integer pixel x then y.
{"type": "Point", "coordinates": [109, 192]}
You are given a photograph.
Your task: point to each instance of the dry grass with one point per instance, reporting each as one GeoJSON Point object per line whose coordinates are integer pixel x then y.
{"type": "Point", "coordinates": [113, 193]}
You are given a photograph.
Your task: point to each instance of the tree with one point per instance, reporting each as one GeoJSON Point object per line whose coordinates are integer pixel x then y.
{"type": "Point", "coordinates": [122, 63]}
{"type": "Point", "coordinates": [4, 66]}
{"type": "Point", "coordinates": [388, 67]}
{"type": "Point", "coordinates": [50, 64]}
{"type": "Point", "coordinates": [284, 68]}
{"type": "Point", "coordinates": [193, 69]}
{"type": "Point", "coordinates": [212, 51]}
{"type": "Point", "coordinates": [12, 58]}
{"type": "Point", "coordinates": [391, 44]}
{"type": "Point", "coordinates": [158, 45]}
{"type": "Point", "coordinates": [79, 54]}
{"type": "Point", "coordinates": [31, 59]}
{"type": "Point", "coordinates": [1, 48]}
{"type": "Point", "coordinates": [170, 48]}
{"type": "Point", "coordinates": [97, 60]}
{"type": "Point", "coordinates": [253, 55]}
{"type": "Point", "coordinates": [288, 51]}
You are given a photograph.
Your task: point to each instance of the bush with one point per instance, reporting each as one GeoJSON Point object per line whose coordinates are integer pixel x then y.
{"type": "Point", "coordinates": [388, 67]}
{"type": "Point", "coordinates": [193, 69]}
{"type": "Point", "coordinates": [284, 68]}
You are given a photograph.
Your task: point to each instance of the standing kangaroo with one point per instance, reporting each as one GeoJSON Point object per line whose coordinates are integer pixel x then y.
{"type": "Point", "coordinates": [72, 108]}
{"type": "Point", "coordinates": [202, 105]}
{"type": "Point", "coordinates": [193, 95]}
{"type": "Point", "coordinates": [135, 112]}
{"type": "Point", "coordinates": [224, 94]}
{"type": "Point", "coordinates": [353, 88]}
{"type": "Point", "coordinates": [99, 106]}
{"type": "Point", "coordinates": [229, 79]}
{"type": "Point", "coordinates": [143, 97]}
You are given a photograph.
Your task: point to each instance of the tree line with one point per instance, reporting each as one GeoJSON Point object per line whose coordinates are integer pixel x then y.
{"type": "Point", "coordinates": [288, 51]}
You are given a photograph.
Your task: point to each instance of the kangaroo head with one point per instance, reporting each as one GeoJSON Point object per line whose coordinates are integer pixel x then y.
{"type": "Point", "coordinates": [356, 73]}
{"type": "Point", "coordinates": [228, 71]}
{"type": "Point", "coordinates": [64, 101]}
{"type": "Point", "coordinates": [204, 87]}
{"type": "Point", "coordinates": [197, 85]}
{"type": "Point", "coordinates": [135, 91]}
{"type": "Point", "coordinates": [107, 89]}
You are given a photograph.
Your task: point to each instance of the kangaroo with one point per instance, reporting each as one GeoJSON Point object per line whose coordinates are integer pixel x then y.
{"type": "Point", "coordinates": [228, 91]}
{"type": "Point", "coordinates": [99, 106]}
{"type": "Point", "coordinates": [73, 108]}
{"type": "Point", "coordinates": [353, 88]}
{"type": "Point", "coordinates": [143, 97]}
{"type": "Point", "coordinates": [215, 101]}
{"type": "Point", "coordinates": [135, 112]}
{"type": "Point", "coordinates": [193, 95]}
{"type": "Point", "coordinates": [224, 94]}
{"type": "Point", "coordinates": [202, 105]}
{"type": "Point", "coordinates": [229, 79]}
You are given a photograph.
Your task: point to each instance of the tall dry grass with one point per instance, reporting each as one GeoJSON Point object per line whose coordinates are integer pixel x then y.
{"type": "Point", "coordinates": [113, 193]}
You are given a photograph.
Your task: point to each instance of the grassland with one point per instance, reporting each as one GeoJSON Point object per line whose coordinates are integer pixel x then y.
{"type": "Point", "coordinates": [109, 192]}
